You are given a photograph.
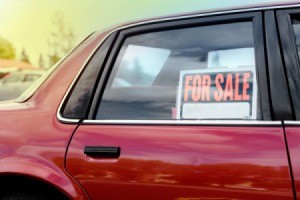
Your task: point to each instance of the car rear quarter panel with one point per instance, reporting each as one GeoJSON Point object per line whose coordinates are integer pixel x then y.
{"type": "Point", "coordinates": [33, 141]}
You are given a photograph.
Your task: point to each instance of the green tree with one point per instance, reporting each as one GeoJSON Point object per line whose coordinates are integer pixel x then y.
{"type": "Point", "coordinates": [53, 58]}
{"type": "Point", "coordinates": [61, 40]}
{"type": "Point", "coordinates": [7, 51]}
{"type": "Point", "coordinates": [24, 56]}
{"type": "Point", "coordinates": [41, 62]}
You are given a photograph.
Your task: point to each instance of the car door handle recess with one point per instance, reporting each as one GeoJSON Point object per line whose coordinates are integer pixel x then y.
{"type": "Point", "coordinates": [104, 152]}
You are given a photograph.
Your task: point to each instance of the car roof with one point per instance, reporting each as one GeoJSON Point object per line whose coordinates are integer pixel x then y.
{"type": "Point", "coordinates": [245, 4]}
{"type": "Point", "coordinates": [233, 6]}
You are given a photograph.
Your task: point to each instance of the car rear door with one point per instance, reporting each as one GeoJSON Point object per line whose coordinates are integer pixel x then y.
{"type": "Point", "coordinates": [182, 110]}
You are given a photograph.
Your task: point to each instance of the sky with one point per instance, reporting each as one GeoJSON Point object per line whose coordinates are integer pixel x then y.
{"type": "Point", "coordinates": [28, 23]}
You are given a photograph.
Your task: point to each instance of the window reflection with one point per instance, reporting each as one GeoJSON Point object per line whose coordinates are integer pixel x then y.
{"type": "Point", "coordinates": [296, 28]}
{"type": "Point", "coordinates": [145, 78]}
{"type": "Point", "coordinates": [140, 66]}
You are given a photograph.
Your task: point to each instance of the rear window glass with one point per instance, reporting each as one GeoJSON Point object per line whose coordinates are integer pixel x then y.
{"type": "Point", "coordinates": [205, 72]}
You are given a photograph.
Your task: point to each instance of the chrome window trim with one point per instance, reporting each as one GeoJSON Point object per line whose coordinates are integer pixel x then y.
{"type": "Point", "coordinates": [186, 16]}
{"type": "Point", "coordinates": [65, 120]}
{"type": "Point", "coordinates": [183, 122]}
{"type": "Point", "coordinates": [292, 123]}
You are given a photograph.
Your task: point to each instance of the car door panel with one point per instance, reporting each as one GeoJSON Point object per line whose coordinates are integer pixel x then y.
{"type": "Point", "coordinates": [182, 162]}
{"type": "Point", "coordinates": [293, 142]}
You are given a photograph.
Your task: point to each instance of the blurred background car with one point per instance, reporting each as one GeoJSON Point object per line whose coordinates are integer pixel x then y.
{"type": "Point", "coordinates": [15, 83]}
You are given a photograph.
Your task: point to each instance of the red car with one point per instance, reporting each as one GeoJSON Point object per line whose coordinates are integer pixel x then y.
{"type": "Point", "coordinates": [196, 107]}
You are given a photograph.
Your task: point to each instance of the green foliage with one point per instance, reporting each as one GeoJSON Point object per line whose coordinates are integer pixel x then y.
{"type": "Point", "coordinates": [24, 56]}
{"type": "Point", "coordinates": [53, 58]}
{"type": "Point", "coordinates": [41, 62]}
{"type": "Point", "coordinates": [7, 51]}
{"type": "Point", "coordinates": [61, 40]}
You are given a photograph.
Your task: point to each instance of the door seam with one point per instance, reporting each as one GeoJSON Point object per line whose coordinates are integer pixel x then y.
{"type": "Point", "coordinates": [65, 160]}
{"type": "Point", "coordinates": [289, 162]}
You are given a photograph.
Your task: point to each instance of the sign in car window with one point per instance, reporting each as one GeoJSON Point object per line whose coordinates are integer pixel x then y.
{"type": "Point", "coordinates": [217, 94]}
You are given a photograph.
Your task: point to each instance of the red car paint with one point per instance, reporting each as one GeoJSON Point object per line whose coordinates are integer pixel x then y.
{"type": "Point", "coordinates": [293, 141]}
{"type": "Point", "coordinates": [182, 162]}
{"type": "Point", "coordinates": [33, 142]}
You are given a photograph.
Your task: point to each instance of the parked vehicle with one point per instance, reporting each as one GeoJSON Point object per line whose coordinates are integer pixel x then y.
{"type": "Point", "coordinates": [15, 83]}
{"type": "Point", "coordinates": [202, 106]}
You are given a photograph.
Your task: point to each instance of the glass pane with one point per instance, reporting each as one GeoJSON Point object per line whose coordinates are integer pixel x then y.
{"type": "Point", "coordinates": [296, 28]}
{"type": "Point", "coordinates": [140, 66]}
{"type": "Point", "coordinates": [193, 73]}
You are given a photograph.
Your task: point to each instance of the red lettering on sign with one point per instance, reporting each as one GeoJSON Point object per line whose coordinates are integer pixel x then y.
{"type": "Point", "coordinates": [196, 95]}
{"type": "Point", "coordinates": [219, 93]}
{"type": "Point", "coordinates": [198, 87]}
{"type": "Point", "coordinates": [237, 96]}
{"type": "Point", "coordinates": [188, 87]}
{"type": "Point", "coordinates": [228, 93]}
{"type": "Point", "coordinates": [246, 86]}
{"type": "Point", "coordinates": [206, 82]}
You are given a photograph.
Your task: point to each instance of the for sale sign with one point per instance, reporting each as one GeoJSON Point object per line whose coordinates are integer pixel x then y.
{"type": "Point", "coordinates": [217, 94]}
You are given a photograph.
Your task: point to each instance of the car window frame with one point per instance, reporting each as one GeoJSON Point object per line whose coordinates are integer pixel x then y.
{"type": "Point", "coordinates": [281, 108]}
{"type": "Point", "coordinates": [94, 64]}
{"type": "Point", "coordinates": [290, 55]}
{"type": "Point", "coordinates": [254, 17]}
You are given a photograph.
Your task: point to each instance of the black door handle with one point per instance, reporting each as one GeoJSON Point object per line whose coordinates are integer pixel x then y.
{"type": "Point", "coordinates": [102, 152]}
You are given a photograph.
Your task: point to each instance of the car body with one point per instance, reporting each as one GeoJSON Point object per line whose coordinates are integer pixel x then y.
{"type": "Point", "coordinates": [14, 84]}
{"type": "Point", "coordinates": [200, 106]}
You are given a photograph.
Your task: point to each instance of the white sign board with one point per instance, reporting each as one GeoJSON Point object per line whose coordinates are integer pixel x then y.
{"type": "Point", "coordinates": [217, 94]}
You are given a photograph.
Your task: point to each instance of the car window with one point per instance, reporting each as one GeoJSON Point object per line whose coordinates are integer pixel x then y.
{"type": "Point", "coordinates": [296, 30]}
{"type": "Point", "coordinates": [14, 78]}
{"type": "Point", "coordinates": [206, 72]}
{"type": "Point", "coordinates": [140, 66]}
{"type": "Point", "coordinates": [32, 77]}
